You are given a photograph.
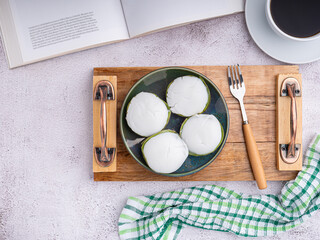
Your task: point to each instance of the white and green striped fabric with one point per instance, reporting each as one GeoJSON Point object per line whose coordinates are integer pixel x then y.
{"type": "Point", "coordinates": [162, 216]}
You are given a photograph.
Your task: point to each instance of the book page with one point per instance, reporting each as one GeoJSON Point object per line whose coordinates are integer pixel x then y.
{"type": "Point", "coordinates": [9, 35]}
{"type": "Point", "coordinates": [149, 15]}
{"type": "Point", "coordinates": [46, 28]}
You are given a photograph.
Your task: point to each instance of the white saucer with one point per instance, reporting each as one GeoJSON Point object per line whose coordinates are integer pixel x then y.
{"type": "Point", "coordinates": [271, 43]}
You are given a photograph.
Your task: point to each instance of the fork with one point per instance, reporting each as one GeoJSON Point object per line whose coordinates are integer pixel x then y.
{"type": "Point", "coordinates": [238, 89]}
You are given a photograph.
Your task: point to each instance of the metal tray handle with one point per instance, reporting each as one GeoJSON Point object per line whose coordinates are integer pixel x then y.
{"type": "Point", "coordinates": [290, 152]}
{"type": "Point", "coordinates": [104, 91]}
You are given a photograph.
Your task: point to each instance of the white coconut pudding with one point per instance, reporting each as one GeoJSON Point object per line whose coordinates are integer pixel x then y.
{"type": "Point", "coordinates": [202, 133]}
{"type": "Point", "coordinates": [165, 152]}
{"type": "Point", "coordinates": [188, 95]}
{"type": "Point", "coordinates": [147, 114]}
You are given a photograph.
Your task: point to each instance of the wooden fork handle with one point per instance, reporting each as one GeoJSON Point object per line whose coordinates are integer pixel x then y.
{"type": "Point", "coordinates": [254, 157]}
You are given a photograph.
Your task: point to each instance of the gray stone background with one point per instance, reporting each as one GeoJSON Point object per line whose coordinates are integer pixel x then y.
{"type": "Point", "coordinates": [46, 185]}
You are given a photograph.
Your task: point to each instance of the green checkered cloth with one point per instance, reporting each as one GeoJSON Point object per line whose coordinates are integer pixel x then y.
{"type": "Point", "coordinates": [162, 216]}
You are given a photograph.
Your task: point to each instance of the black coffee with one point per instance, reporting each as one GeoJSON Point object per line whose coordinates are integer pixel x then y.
{"type": "Point", "coordinates": [298, 18]}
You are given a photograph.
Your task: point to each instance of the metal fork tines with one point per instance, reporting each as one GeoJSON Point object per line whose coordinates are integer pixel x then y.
{"type": "Point", "coordinates": [237, 87]}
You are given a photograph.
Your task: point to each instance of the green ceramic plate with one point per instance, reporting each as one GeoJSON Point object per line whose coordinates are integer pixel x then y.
{"type": "Point", "coordinates": [157, 82]}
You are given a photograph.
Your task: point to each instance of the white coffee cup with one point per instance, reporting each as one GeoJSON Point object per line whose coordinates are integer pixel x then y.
{"type": "Point", "coordinates": [276, 29]}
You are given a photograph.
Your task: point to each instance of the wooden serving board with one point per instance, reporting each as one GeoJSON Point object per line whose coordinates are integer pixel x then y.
{"type": "Point", "coordinates": [232, 164]}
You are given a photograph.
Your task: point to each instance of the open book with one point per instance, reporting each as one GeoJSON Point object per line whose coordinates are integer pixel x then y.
{"type": "Point", "coordinates": [34, 30]}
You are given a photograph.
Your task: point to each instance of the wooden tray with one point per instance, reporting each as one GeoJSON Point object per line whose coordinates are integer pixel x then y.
{"type": "Point", "coordinates": [232, 164]}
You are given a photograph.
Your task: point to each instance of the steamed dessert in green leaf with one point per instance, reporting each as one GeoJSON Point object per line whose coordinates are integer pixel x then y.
{"type": "Point", "coordinates": [203, 134]}
{"type": "Point", "coordinates": [188, 95]}
{"type": "Point", "coordinates": [165, 152]}
{"type": "Point", "coordinates": [147, 114]}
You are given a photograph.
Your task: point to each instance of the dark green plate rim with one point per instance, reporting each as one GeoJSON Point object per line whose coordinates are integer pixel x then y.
{"type": "Point", "coordinates": [222, 144]}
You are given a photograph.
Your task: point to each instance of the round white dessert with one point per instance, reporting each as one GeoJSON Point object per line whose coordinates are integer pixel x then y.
{"type": "Point", "coordinates": [165, 152]}
{"type": "Point", "coordinates": [147, 114]}
{"type": "Point", "coordinates": [188, 95]}
{"type": "Point", "coordinates": [202, 133]}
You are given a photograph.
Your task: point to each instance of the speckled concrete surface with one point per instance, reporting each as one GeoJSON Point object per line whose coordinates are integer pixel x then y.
{"type": "Point", "coordinates": [46, 186]}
